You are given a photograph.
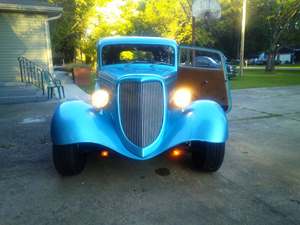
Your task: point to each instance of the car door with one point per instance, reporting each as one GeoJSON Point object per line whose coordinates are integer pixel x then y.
{"type": "Point", "coordinates": [206, 81]}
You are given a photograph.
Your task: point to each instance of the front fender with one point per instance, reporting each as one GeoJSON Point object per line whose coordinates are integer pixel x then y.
{"type": "Point", "coordinates": [77, 122]}
{"type": "Point", "coordinates": [203, 120]}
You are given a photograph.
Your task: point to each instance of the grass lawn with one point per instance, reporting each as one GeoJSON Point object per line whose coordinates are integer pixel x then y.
{"type": "Point", "coordinates": [297, 65]}
{"type": "Point", "coordinates": [260, 78]}
{"type": "Point", "coordinates": [281, 66]}
{"type": "Point", "coordinates": [251, 79]}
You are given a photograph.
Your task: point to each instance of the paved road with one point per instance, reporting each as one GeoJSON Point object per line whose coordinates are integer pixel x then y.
{"type": "Point", "coordinates": [72, 91]}
{"type": "Point", "coordinates": [259, 182]}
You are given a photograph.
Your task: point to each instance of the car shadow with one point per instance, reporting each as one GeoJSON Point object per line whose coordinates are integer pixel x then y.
{"type": "Point", "coordinates": [161, 165]}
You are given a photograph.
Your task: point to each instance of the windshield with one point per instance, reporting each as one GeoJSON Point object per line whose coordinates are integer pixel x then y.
{"type": "Point", "coordinates": [138, 53]}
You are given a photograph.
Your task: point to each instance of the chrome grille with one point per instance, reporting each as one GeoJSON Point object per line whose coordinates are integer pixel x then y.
{"type": "Point", "coordinates": [141, 110]}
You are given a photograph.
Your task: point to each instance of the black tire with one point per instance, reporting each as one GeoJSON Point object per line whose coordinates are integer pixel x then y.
{"type": "Point", "coordinates": [68, 160]}
{"type": "Point", "coordinates": [207, 156]}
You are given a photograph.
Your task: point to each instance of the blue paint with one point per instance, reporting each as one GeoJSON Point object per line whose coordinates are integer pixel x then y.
{"type": "Point", "coordinates": [77, 122]}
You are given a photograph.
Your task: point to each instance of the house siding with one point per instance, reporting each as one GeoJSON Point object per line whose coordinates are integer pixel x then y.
{"type": "Point", "coordinates": [21, 34]}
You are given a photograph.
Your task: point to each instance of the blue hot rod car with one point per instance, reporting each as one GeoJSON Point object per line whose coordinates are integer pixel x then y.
{"type": "Point", "coordinates": [150, 97]}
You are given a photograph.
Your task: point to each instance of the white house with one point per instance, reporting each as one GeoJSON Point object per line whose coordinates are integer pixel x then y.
{"type": "Point", "coordinates": [24, 30]}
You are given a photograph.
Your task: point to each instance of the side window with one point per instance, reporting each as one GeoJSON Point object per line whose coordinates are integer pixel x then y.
{"type": "Point", "coordinates": [200, 58]}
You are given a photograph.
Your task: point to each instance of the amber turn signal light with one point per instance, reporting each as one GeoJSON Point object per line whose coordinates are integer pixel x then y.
{"type": "Point", "coordinates": [176, 153]}
{"type": "Point", "coordinates": [104, 153]}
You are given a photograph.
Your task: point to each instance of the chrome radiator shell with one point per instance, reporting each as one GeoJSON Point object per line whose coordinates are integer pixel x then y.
{"type": "Point", "coordinates": [141, 110]}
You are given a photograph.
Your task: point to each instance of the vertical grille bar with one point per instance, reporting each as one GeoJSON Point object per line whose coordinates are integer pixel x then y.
{"type": "Point", "coordinates": [141, 110]}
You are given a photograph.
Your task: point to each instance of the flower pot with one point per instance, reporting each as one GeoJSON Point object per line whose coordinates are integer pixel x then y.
{"type": "Point", "coordinates": [82, 75]}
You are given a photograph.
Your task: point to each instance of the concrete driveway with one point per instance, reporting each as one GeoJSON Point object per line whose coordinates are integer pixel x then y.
{"type": "Point", "coordinates": [259, 182]}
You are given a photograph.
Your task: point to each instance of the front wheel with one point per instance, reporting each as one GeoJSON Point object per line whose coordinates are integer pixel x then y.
{"type": "Point", "coordinates": [208, 156]}
{"type": "Point", "coordinates": [68, 160]}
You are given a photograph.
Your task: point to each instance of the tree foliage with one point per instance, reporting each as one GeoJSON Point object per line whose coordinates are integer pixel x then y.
{"type": "Point", "coordinates": [270, 23]}
{"type": "Point", "coordinates": [274, 24]}
{"type": "Point", "coordinates": [224, 33]}
{"type": "Point", "coordinates": [84, 22]}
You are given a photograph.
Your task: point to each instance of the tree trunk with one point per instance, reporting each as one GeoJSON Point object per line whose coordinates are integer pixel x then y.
{"type": "Point", "coordinates": [270, 65]}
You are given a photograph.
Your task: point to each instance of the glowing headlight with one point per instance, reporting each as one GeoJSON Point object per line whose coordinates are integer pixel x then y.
{"type": "Point", "coordinates": [182, 98]}
{"type": "Point", "coordinates": [100, 98]}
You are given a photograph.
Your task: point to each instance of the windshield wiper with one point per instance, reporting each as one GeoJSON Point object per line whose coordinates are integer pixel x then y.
{"type": "Point", "coordinates": [138, 61]}
{"type": "Point", "coordinates": [148, 61]}
{"type": "Point", "coordinates": [161, 63]}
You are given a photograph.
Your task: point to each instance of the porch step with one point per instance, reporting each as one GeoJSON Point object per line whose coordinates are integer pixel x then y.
{"type": "Point", "coordinates": [6, 84]}
{"type": "Point", "coordinates": [19, 93]}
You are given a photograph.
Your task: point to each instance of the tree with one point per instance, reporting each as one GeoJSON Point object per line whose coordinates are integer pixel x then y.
{"type": "Point", "coordinates": [165, 18]}
{"type": "Point", "coordinates": [94, 19]}
{"type": "Point", "coordinates": [274, 19]}
{"type": "Point", "coordinates": [271, 23]}
{"type": "Point", "coordinates": [224, 33]}
{"type": "Point", "coordinates": [62, 36]}
{"type": "Point", "coordinates": [66, 32]}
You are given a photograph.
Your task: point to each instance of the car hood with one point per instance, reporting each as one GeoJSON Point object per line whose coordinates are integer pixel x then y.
{"type": "Point", "coordinates": [120, 70]}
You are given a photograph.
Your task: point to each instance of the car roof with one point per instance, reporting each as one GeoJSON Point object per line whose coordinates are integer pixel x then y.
{"type": "Point", "coordinates": [136, 40]}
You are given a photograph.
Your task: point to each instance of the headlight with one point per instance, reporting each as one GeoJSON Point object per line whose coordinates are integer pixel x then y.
{"type": "Point", "coordinates": [100, 98]}
{"type": "Point", "coordinates": [182, 97]}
